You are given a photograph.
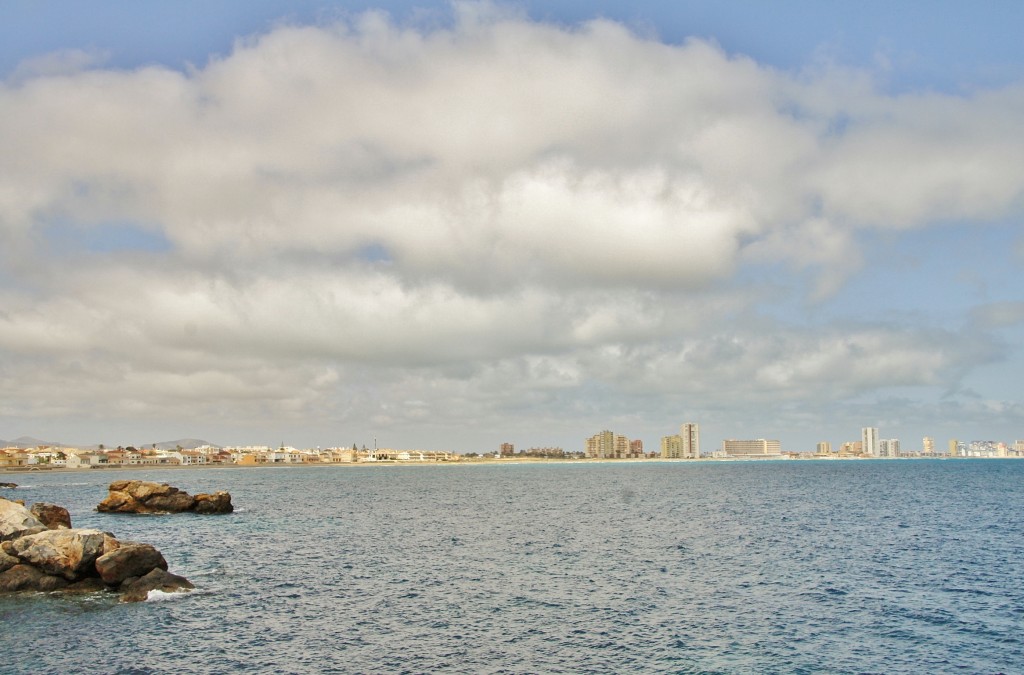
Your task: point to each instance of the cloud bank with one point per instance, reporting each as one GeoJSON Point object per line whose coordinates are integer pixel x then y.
{"type": "Point", "coordinates": [442, 234]}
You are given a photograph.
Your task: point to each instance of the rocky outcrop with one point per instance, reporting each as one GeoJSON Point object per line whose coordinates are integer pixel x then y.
{"type": "Point", "coordinates": [34, 558]}
{"type": "Point", "coordinates": [218, 502]}
{"type": "Point", "coordinates": [137, 496]}
{"type": "Point", "coordinates": [8, 485]}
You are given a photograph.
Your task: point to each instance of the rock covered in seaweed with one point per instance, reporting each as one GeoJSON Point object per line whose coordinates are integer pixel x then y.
{"type": "Point", "coordinates": [137, 496]}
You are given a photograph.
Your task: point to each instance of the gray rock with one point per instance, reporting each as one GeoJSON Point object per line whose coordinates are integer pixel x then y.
{"type": "Point", "coordinates": [68, 553]}
{"type": "Point", "coordinates": [15, 520]}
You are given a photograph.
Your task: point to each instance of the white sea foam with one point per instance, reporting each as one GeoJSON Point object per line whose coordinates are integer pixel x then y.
{"type": "Point", "coordinates": [162, 596]}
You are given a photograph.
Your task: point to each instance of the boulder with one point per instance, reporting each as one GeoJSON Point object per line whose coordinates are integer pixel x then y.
{"type": "Point", "coordinates": [68, 553]}
{"type": "Point", "coordinates": [129, 560]}
{"type": "Point", "coordinates": [137, 496]}
{"type": "Point", "coordinates": [8, 485]}
{"type": "Point", "coordinates": [175, 502]}
{"type": "Point", "coordinates": [28, 578]}
{"type": "Point", "coordinates": [52, 516]}
{"type": "Point", "coordinates": [218, 502]}
{"type": "Point", "coordinates": [7, 561]}
{"type": "Point", "coordinates": [137, 589]}
{"type": "Point", "coordinates": [16, 520]}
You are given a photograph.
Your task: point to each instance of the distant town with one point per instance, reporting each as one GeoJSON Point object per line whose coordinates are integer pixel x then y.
{"type": "Point", "coordinates": [28, 454]}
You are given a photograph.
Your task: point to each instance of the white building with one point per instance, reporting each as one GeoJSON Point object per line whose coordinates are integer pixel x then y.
{"type": "Point", "coordinates": [869, 441]}
{"type": "Point", "coordinates": [889, 447]}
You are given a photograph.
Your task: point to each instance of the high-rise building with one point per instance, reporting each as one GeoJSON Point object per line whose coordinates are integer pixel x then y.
{"type": "Point", "coordinates": [928, 445]}
{"type": "Point", "coordinates": [954, 447]}
{"type": "Point", "coordinates": [869, 441]}
{"type": "Point", "coordinates": [889, 447]}
{"type": "Point", "coordinates": [690, 433]}
{"type": "Point", "coordinates": [507, 449]}
{"type": "Point", "coordinates": [636, 448]}
{"type": "Point", "coordinates": [672, 447]}
{"type": "Point", "coordinates": [824, 448]}
{"type": "Point", "coordinates": [607, 445]}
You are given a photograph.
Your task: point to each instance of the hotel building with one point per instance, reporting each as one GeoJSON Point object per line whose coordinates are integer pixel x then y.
{"type": "Point", "coordinates": [755, 448]}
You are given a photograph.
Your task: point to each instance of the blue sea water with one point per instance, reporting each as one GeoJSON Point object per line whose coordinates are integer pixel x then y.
{"type": "Point", "coordinates": [656, 567]}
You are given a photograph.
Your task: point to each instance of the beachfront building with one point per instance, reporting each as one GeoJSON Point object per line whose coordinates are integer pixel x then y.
{"type": "Point", "coordinates": [760, 448]}
{"type": "Point", "coordinates": [690, 433]}
{"type": "Point", "coordinates": [608, 445]}
{"type": "Point", "coordinates": [824, 448]}
{"type": "Point", "coordinates": [684, 445]}
{"type": "Point", "coordinates": [869, 441]}
{"type": "Point", "coordinates": [889, 447]}
{"type": "Point", "coordinates": [672, 447]}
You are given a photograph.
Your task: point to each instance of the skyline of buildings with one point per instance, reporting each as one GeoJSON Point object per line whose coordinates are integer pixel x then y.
{"type": "Point", "coordinates": [685, 445]}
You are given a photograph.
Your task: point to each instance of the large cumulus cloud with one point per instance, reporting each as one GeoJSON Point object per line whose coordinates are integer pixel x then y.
{"type": "Point", "coordinates": [355, 216]}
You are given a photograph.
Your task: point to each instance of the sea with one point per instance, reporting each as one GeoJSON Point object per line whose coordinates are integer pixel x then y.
{"type": "Point", "coordinates": [887, 566]}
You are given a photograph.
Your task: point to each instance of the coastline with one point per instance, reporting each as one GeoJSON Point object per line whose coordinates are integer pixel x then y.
{"type": "Point", "coordinates": [35, 470]}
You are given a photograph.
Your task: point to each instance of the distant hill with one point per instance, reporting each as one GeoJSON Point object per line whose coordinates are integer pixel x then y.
{"type": "Point", "coordinates": [185, 443]}
{"type": "Point", "coordinates": [28, 442]}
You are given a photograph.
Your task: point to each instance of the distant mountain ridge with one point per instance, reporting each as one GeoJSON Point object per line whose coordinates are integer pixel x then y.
{"type": "Point", "coordinates": [183, 443]}
{"type": "Point", "coordinates": [28, 442]}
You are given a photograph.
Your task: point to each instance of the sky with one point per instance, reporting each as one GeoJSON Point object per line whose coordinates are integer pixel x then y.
{"type": "Point", "coordinates": [450, 225]}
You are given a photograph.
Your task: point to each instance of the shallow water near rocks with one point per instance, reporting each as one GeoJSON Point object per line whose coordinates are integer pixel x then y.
{"type": "Point", "coordinates": [867, 566]}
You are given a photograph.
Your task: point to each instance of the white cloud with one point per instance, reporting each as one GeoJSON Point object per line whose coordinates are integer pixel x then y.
{"type": "Point", "coordinates": [501, 201]}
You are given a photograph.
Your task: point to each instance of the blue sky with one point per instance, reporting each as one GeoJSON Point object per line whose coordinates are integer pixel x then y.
{"type": "Point", "coordinates": [453, 225]}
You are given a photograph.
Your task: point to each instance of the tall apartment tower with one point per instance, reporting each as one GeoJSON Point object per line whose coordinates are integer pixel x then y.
{"type": "Point", "coordinates": [690, 433]}
{"type": "Point", "coordinates": [671, 447]}
{"type": "Point", "coordinates": [928, 445]}
{"type": "Point", "coordinates": [869, 441]}
{"type": "Point", "coordinates": [889, 447]}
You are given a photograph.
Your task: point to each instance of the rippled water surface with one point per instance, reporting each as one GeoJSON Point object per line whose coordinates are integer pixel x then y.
{"type": "Point", "coordinates": [870, 566]}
